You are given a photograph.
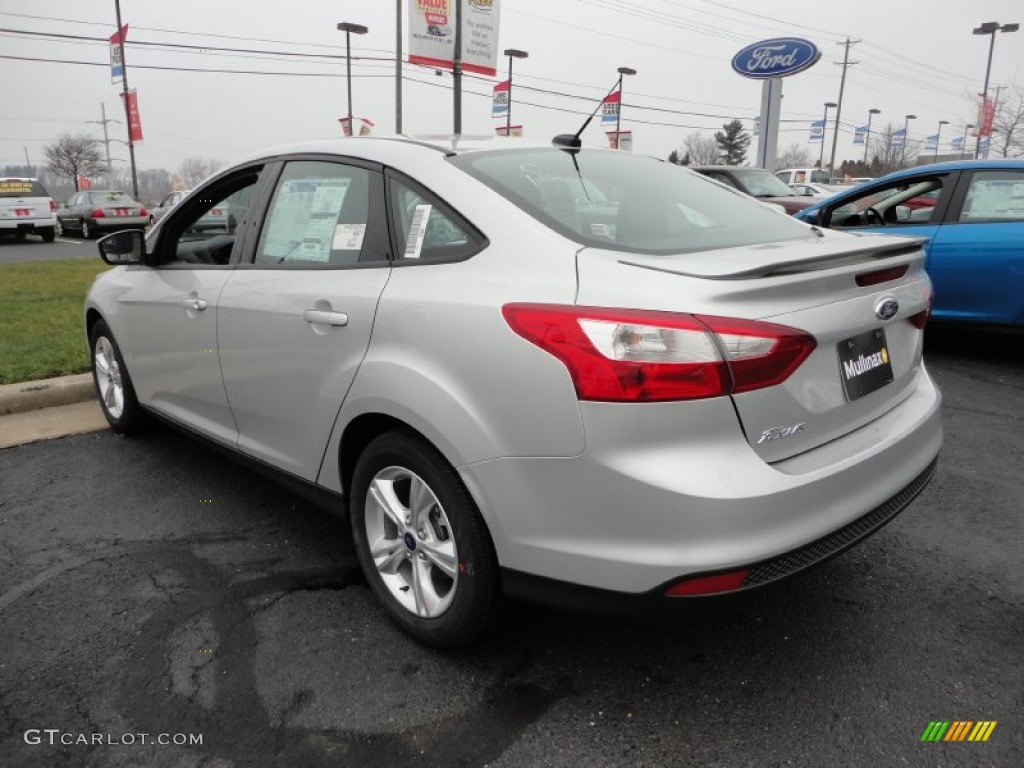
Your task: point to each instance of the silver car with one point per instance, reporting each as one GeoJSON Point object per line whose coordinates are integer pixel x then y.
{"type": "Point", "coordinates": [673, 393]}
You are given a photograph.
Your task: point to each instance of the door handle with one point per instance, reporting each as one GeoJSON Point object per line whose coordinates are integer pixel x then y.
{"type": "Point", "coordinates": [323, 317]}
{"type": "Point", "coordinates": [196, 304]}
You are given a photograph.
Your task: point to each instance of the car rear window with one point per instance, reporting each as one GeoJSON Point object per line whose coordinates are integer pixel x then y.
{"type": "Point", "coordinates": [101, 198]}
{"type": "Point", "coordinates": [625, 202]}
{"type": "Point", "coordinates": [22, 188]}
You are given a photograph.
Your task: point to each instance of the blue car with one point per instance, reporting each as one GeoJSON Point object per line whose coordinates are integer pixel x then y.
{"type": "Point", "coordinates": [972, 213]}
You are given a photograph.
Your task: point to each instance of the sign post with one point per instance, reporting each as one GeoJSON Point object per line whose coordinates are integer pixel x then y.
{"type": "Point", "coordinates": [770, 61]}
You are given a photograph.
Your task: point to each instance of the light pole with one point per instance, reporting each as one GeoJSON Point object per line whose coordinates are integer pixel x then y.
{"type": "Point", "coordinates": [989, 28]}
{"type": "Point", "coordinates": [867, 139]}
{"type": "Point", "coordinates": [349, 30]}
{"type": "Point", "coordinates": [618, 115]}
{"type": "Point", "coordinates": [903, 147]}
{"type": "Point", "coordinates": [824, 129]}
{"type": "Point", "coordinates": [512, 53]}
{"type": "Point", "coordinates": [963, 144]}
{"type": "Point", "coordinates": [938, 136]}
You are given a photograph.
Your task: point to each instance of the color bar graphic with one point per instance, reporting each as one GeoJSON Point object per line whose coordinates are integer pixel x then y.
{"type": "Point", "coordinates": [958, 730]}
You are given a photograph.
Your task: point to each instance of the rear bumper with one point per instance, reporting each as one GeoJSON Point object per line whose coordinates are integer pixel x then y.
{"type": "Point", "coordinates": [115, 223]}
{"type": "Point", "coordinates": [26, 225]}
{"type": "Point", "coordinates": [683, 496]}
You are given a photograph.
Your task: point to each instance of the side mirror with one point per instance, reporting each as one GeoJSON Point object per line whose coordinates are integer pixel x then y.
{"type": "Point", "coordinates": [902, 213]}
{"type": "Point", "coordinates": [125, 247]}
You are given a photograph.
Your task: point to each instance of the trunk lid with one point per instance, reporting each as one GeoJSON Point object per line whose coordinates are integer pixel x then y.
{"type": "Point", "coordinates": [811, 285]}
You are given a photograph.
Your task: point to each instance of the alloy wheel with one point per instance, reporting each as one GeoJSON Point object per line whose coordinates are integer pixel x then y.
{"type": "Point", "coordinates": [108, 377]}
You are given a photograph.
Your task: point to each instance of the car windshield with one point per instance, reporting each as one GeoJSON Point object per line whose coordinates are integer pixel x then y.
{"type": "Point", "coordinates": [627, 202]}
{"type": "Point", "coordinates": [760, 183]}
{"type": "Point", "coordinates": [22, 188]}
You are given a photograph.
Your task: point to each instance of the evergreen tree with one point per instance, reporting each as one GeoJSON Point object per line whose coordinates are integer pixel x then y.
{"type": "Point", "coordinates": [732, 143]}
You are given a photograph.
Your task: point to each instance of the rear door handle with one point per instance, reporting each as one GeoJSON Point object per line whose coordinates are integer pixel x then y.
{"type": "Point", "coordinates": [197, 304]}
{"type": "Point", "coordinates": [323, 317]}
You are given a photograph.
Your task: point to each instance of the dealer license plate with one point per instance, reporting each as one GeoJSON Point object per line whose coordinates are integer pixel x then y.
{"type": "Point", "coordinates": [864, 363]}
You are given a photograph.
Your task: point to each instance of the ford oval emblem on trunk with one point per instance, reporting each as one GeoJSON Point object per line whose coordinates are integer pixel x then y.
{"type": "Point", "coordinates": [778, 57]}
{"type": "Point", "coordinates": [887, 308]}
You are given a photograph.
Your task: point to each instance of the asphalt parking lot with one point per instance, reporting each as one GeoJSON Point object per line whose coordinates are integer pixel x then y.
{"type": "Point", "coordinates": [151, 586]}
{"type": "Point", "coordinates": [32, 248]}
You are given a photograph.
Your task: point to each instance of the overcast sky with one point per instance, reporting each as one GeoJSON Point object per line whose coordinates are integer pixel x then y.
{"type": "Point", "coordinates": [914, 57]}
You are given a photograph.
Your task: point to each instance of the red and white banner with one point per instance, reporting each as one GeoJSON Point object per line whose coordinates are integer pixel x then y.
{"type": "Point", "coordinates": [365, 126]}
{"type": "Point", "coordinates": [499, 107]}
{"type": "Point", "coordinates": [620, 140]}
{"type": "Point", "coordinates": [610, 107]}
{"type": "Point", "coordinates": [134, 121]}
{"type": "Point", "coordinates": [116, 65]}
{"type": "Point", "coordinates": [511, 130]}
{"type": "Point", "coordinates": [431, 40]}
{"type": "Point", "coordinates": [986, 112]}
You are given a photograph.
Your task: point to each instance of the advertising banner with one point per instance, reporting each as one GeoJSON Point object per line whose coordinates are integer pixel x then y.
{"type": "Point", "coordinates": [610, 107]}
{"type": "Point", "coordinates": [817, 131]}
{"type": "Point", "coordinates": [899, 137]}
{"type": "Point", "coordinates": [365, 126]}
{"type": "Point", "coordinates": [431, 40]}
{"type": "Point", "coordinates": [931, 143]}
{"type": "Point", "coordinates": [620, 140]}
{"type": "Point", "coordinates": [957, 143]}
{"type": "Point", "coordinates": [986, 111]}
{"type": "Point", "coordinates": [116, 65]}
{"type": "Point", "coordinates": [515, 131]}
{"type": "Point", "coordinates": [134, 121]}
{"type": "Point", "coordinates": [500, 106]}
{"type": "Point", "coordinates": [860, 135]}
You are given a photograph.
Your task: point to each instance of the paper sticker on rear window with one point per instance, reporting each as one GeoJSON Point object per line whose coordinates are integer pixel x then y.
{"type": "Point", "coordinates": [348, 237]}
{"type": "Point", "coordinates": [417, 231]}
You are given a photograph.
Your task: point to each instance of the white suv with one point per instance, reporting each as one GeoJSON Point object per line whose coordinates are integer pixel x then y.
{"type": "Point", "coordinates": [26, 206]}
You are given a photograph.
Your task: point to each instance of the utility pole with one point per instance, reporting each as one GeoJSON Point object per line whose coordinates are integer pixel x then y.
{"type": "Point", "coordinates": [457, 69]}
{"type": "Point", "coordinates": [124, 98]}
{"type": "Point", "coordinates": [106, 137]}
{"type": "Point", "coordinates": [398, 67]}
{"type": "Point", "coordinates": [28, 162]}
{"type": "Point", "coordinates": [839, 104]}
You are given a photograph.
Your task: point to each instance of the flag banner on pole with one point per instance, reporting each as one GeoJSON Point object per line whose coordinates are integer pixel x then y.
{"type": "Point", "coordinates": [984, 146]}
{"type": "Point", "coordinates": [512, 130]}
{"type": "Point", "coordinates": [957, 143]}
{"type": "Point", "coordinates": [365, 126]}
{"type": "Point", "coordinates": [757, 126]}
{"type": "Point", "coordinates": [986, 111]}
{"type": "Point", "coordinates": [500, 106]}
{"type": "Point", "coordinates": [346, 126]}
{"type": "Point", "coordinates": [134, 121]}
{"type": "Point", "coordinates": [860, 135]}
{"type": "Point", "coordinates": [817, 131]}
{"type": "Point", "coordinates": [620, 140]}
{"type": "Point", "coordinates": [431, 41]}
{"type": "Point", "coordinates": [899, 137]}
{"type": "Point", "coordinates": [610, 107]}
{"type": "Point", "coordinates": [116, 65]}
{"type": "Point", "coordinates": [931, 143]}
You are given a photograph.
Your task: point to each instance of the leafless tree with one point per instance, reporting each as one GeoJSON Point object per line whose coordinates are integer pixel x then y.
{"type": "Point", "coordinates": [888, 153]}
{"type": "Point", "coordinates": [194, 169]}
{"type": "Point", "coordinates": [74, 156]}
{"type": "Point", "coordinates": [1008, 123]}
{"type": "Point", "coordinates": [795, 156]}
{"type": "Point", "coordinates": [701, 149]}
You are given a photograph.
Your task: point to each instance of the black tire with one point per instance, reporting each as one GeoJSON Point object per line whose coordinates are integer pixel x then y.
{"type": "Point", "coordinates": [20, 235]}
{"type": "Point", "coordinates": [48, 235]}
{"type": "Point", "coordinates": [131, 419]}
{"type": "Point", "coordinates": [474, 603]}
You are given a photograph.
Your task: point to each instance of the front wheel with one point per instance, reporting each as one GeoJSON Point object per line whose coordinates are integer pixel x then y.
{"type": "Point", "coordinates": [421, 541]}
{"type": "Point", "coordinates": [86, 230]}
{"type": "Point", "coordinates": [58, 228]}
{"type": "Point", "coordinates": [113, 384]}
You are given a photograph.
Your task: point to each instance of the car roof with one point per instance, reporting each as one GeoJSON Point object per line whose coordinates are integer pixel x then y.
{"type": "Point", "coordinates": [957, 165]}
{"type": "Point", "coordinates": [734, 168]}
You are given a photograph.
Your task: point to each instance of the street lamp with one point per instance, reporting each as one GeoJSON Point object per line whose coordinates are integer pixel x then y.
{"type": "Point", "coordinates": [938, 136]}
{"type": "Point", "coordinates": [867, 139]}
{"type": "Point", "coordinates": [618, 114]}
{"type": "Point", "coordinates": [824, 129]}
{"type": "Point", "coordinates": [349, 30]}
{"type": "Point", "coordinates": [903, 148]}
{"type": "Point", "coordinates": [512, 53]}
{"type": "Point", "coordinates": [963, 144]}
{"type": "Point", "coordinates": [989, 28]}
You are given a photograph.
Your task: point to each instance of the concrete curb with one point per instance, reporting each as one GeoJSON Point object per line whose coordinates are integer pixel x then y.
{"type": "Point", "coordinates": [46, 393]}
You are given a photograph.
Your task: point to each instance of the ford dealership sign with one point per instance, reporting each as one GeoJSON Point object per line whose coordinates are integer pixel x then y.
{"type": "Point", "coordinates": [778, 57]}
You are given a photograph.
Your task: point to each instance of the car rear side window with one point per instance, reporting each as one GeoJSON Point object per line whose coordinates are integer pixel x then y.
{"type": "Point", "coordinates": [625, 202]}
{"type": "Point", "coordinates": [22, 188]}
{"type": "Point", "coordinates": [321, 216]}
{"type": "Point", "coordinates": [426, 229]}
{"type": "Point", "coordinates": [994, 196]}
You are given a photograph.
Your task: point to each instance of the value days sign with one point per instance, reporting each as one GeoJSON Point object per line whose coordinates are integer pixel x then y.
{"type": "Point", "coordinates": [432, 34]}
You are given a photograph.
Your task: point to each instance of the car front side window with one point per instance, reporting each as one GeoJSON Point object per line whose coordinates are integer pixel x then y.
{"type": "Point", "coordinates": [906, 202]}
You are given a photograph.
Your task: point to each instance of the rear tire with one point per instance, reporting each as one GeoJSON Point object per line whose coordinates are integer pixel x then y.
{"type": "Point", "coordinates": [421, 542]}
{"type": "Point", "coordinates": [113, 384]}
{"type": "Point", "coordinates": [58, 229]}
{"type": "Point", "coordinates": [48, 235]}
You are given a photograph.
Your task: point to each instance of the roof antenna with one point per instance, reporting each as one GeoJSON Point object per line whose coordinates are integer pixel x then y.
{"type": "Point", "coordinates": [572, 142]}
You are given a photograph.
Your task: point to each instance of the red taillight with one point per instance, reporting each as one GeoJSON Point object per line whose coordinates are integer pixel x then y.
{"type": "Point", "coordinates": [882, 275]}
{"type": "Point", "coordinates": [97, 213]}
{"type": "Point", "coordinates": [709, 585]}
{"type": "Point", "coordinates": [143, 212]}
{"type": "Point", "coordinates": [625, 355]}
{"type": "Point", "coordinates": [53, 206]}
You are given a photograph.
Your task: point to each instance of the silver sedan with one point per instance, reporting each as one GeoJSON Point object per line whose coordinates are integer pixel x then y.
{"type": "Point", "coordinates": [567, 374]}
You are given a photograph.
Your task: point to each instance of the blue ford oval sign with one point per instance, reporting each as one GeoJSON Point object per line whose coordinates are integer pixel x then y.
{"type": "Point", "coordinates": [778, 57]}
